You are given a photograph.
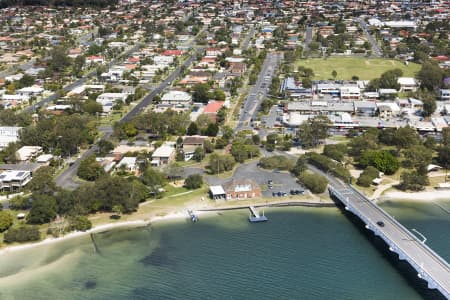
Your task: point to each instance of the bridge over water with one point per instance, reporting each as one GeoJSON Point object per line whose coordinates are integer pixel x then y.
{"type": "Point", "coordinates": [429, 265]}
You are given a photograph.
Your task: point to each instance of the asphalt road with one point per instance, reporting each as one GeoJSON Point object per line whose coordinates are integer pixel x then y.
{"type": "Point", "coordinates": [308, 37]}
{"type": "Point", "coordinates": [246, 42]}
{"type": "Point", "coordinates": [17, 67]}
{"type": "Point", "coordinates": [376, 50]}
{"type": "Point", "coordinates": [258, 92]}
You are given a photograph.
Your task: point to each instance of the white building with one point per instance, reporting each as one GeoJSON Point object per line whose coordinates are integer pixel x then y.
{"type": "Point", "coordinates": [176, 98]}
{"type": "Point", "coordinates": [14, 180]}
{"type": "Point", "coordinates": [162, 60]}
{"type": "Point", "coordinates": [407, 84]}
{"type": "Point", "coordinates": [9, 135]}
{"type": "Point", "coordinates": [28, 152]}
{"type": "Point", "coordinates": [111, 98]}
{"type": "Point", "coordinates": [350, 92]}
{"type": "Point", "coordinates": [129, 163]}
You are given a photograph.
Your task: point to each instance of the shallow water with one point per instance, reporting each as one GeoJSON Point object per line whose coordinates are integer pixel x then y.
{"type": "Point", "coordinates": [301, 253]}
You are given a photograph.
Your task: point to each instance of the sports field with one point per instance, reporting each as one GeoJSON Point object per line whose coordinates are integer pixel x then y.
{"type": "Point", "coordinates": [364, 68]}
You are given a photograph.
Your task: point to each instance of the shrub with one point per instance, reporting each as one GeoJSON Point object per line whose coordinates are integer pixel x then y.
{"type": "Point", "coordinates": [366, 177]}
{"type": "Point", "coordinates": [326, 164]}
{"type": "Point", "coordinates": [22, 234]}
{"type": "Point", "coordinates": [6, 220]}
{"type": "Point", "coordinates": [413, 181]}
{"type": "Point", "coordinates": [276, 162]}
{"type": "Point", "coordinates": [80, 223]}
{"type": "Point", "coordinates": [382, 160]}
{"type": "Point", "coordinates": [336, 151]}
{"type": "Point", "coordinates": [317, 184]}
{"type": "Point", "coordinates": [193, 181]}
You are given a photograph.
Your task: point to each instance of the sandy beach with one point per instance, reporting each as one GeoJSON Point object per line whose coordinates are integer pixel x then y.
{"type": "Point", "coordinates": [96, 229]}
{"type": "Point", "coordinates": [417, 196]}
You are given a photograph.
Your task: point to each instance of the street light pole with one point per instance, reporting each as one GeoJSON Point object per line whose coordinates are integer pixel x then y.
{"type": "Point", "coordinates": [423, 237]}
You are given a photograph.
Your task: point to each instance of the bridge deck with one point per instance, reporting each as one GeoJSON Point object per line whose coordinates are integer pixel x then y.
{"type": "Point", "coordinates": [429, 265]}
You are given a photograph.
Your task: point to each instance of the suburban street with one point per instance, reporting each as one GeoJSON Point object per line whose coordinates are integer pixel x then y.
{"type": "Point", "coordinates": [246, 42]}
{"type": "Point", "coordinates": [79, 82]}
{"type": "Point", "coordinates": [66, 178]}
{"type": "Point", "coordinates": [258, 92]}
{"type": "Point", "coordinates": [308, 37]}
{"type": "Point", "coordinates": [376, 50]}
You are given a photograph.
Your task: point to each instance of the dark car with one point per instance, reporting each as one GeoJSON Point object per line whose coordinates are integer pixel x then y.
{"type": "Point", "coordinates": [380, 223]}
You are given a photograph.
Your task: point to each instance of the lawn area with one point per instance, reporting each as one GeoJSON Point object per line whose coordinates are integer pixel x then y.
{"type": "Point", "coordinates": [364, 68]}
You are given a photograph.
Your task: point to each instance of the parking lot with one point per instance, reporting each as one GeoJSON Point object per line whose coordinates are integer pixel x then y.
{"type": "Point", "coordinates": [282, 182]}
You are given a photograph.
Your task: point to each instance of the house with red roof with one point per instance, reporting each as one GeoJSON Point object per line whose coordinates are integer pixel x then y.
{"type": "Point", "coordinates": [172, 53]}
{"type": "Point", "coordinates": [212, 108]}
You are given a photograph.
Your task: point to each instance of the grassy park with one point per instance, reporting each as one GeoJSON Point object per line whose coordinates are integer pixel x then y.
{"type": "Point", "coordinates": [364, 68]}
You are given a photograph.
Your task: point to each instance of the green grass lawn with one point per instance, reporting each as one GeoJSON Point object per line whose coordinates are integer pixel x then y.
{"type": "Point", "coordinates": [364, 68]}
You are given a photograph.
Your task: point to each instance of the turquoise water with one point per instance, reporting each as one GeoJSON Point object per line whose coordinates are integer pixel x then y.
{"type": "Point", "coordinates": [301, 253]}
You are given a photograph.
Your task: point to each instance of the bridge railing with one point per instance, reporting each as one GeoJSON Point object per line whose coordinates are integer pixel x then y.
{"type": "Point", "coordinates": [376, 206]}
{"type": "Point", "coordinates": [402, 253]}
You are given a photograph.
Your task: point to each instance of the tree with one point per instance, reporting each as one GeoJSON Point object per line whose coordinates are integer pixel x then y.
{"type": "Point", "coordinates": [92, 107]}
{"type": "Point", "coordinates": [200, 92]}
{"type": "Point", "coordinates": [406, 137]}
{"type": "Point", "coordinates": [80, 223]}
{"type": "Point", "coordinates": [199, 154]}
{"type": "Point", "coordinates": [154, 179]}
{"type": "Point", "coordinates": [335, 151]}
{"type": "Point", "coordinates": [193, 181]}
{"type": "Point", "coordinates": [192, 129]}
{"type": "Point", "coordinates": [42, 181]}
{"type": "Point", "coordinates": [313, 131]}
{"type": "Point", "coordinates": [43, 209]}
{"type": "Point", "coordinates": [430, 76]}
{"type": "Point", "coordinates": [300, 166]}
{"type": "Point", "coordinates": [413, 181]}
{"type": "Point", "coordinates": [212, 129]}
{"type": "Point", "coordinates": [220, 163]}
{"type": "Point", "coordinates": [418, 157]}
{"type": "Point", "coordinates": [382, 160]}
{"type": "Point", "coordinates": [334, 74]}
{"type": "Point", "coordinates": [104, 147]}
{"type": "Point", "coordinates": [90, 169]}
{"type": "Point", "coordinates": [317, 184]}
{"type": "Point", "coordinates": [429, 106]}
{"type": "Point", "coordinates": [367, 176]}
{"type": "Point", "coordinates": [6, 220]}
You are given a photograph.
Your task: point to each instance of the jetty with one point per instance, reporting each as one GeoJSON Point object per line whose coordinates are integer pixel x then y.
{"type": "Point", "coordinates": [255, 217]}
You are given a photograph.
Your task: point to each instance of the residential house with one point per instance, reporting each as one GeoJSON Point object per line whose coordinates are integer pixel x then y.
{"type": "Point", "coordinates": [12, 180]}
{"type": "Point", "coordinates": [174, 98]}
{"type": "Point", "coordinates": [26, 153]}
{"type": "Point", "coordinates": [212, 108]}
{"type": "Point", "coordinates": [129, 164]}
{"type": "Point", "coordinates": [8, 135]}
{"type": "Point", "coordinates": [237, 68]}
{"type": "Point", "coordinates": [407, 84]}
{"type": "Point", "coordinates": [163, 155]}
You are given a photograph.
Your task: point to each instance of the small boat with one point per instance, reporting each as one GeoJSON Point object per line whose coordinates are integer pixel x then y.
{"type": "Point", "coordinates": [193, 217]}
